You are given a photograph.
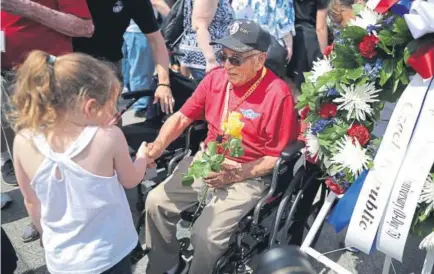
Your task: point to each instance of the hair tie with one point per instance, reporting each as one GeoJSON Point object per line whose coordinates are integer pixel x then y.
{"type": "Point", "coordinates": [51, 59]}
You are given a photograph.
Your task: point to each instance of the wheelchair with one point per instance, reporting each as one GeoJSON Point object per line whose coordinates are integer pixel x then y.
{"type": "Point", "coordinates": [280, 217]}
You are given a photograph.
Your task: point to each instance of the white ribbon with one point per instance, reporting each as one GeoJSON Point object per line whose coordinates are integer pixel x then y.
{"type": "Point", "coordinates": [420, 20]}
{"type": "Point", "coordinates": [377, 187]}
{"type": "Point", "coordinates": [409, 182]}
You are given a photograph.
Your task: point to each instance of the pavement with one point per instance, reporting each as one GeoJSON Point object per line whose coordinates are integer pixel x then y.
{"type": "Point", "coordinates": [31, 255]}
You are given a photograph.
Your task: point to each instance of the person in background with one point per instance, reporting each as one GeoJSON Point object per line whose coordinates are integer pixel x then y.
{"type": "Point", "coordinates": [341, 12]}
{"type": "Point", "coordinates": [111, 19]}
{"type": "Point", "coordinates": [276, 17]}
{"type": "Point", "coordinates": [137, 67]}
{"type": "Point", "coordinates": [311, 37]}
{"type": "Point", "coordinates": [204, 21]}
{"type": "Point", "coordinates": [73, 185]}
{"type": "Point", "coordinates": [28, 25]}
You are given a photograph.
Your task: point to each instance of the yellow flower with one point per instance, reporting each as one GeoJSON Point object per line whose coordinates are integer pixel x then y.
{"type": "Point", "coordinates": [234, 127]}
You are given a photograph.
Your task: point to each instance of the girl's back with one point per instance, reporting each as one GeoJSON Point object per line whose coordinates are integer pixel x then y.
{"type": "Point", "coordinates": [84, 209]}
{"type": "Point", "coordinates": [72, 173]}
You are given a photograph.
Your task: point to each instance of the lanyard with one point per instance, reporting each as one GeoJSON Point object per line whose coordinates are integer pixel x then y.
{"type": "Point", "coordinates": [242, 99]}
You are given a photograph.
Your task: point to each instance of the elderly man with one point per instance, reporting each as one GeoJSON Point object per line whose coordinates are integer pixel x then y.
{"type": "Point", "coordinates": [243, 85]}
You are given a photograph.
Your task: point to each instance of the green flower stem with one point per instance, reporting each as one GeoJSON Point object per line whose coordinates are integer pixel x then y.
{"type": "Point", "coordinates": [204, 195]}
{"type": "Point", "coordinates": [202, 200]}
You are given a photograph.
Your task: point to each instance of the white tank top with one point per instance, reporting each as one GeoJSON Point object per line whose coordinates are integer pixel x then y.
{"type": "Point", "coordinates": [86, 220]}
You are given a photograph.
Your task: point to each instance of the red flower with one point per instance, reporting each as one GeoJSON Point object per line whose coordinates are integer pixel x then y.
{"type": "Point", "coordinates": [328, 110]}
{"type": "Point", "coordinates": [304, 112]}
{"type": "Point", "coordinates": [368, 45]}
{"type": "Point", "coordinates": [333, 186]}
{"type": "Point", "coordinates": [359, 132]}
{"type": "Point", "coordinates": [329, 49]}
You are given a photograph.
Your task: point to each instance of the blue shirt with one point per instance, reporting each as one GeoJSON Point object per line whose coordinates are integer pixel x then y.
{"type": "Point", "coordinates": [275, 16]}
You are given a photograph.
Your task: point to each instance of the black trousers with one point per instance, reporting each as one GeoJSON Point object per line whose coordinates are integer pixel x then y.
{"type": "Point", "coordinates": [9, 256]}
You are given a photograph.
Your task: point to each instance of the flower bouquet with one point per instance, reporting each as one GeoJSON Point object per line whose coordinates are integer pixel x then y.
{"type": "Point", "coordinates": [345, 92]}
{"type": "Point", "coordinates": [212, 158]}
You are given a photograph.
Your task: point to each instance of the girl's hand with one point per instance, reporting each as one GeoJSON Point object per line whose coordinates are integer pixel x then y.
{"type": "Point", "coordinates": [143, 151]}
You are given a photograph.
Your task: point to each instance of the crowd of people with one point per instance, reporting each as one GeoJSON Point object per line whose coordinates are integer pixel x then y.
{"type": "Point", "coordinates": [64, 65]}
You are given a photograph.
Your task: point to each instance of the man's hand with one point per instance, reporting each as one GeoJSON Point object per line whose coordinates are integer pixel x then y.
{"type": "Point", "coordinates": [155, 150]}
{"type": "Point", "coordinates": [163, 95]}
{"type": "Point", "coordinates": [228, 175]}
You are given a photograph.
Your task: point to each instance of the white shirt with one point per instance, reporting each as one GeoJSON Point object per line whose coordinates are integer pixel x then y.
{"type": "Point", "coordinates": [86, 219]}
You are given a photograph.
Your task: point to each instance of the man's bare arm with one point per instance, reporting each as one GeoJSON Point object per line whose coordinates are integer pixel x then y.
{"type": "Point", "coordinates": [161, 7]}
{"type": "Point", "coordinates": [67, 24]}
{"type": "Point", "coordinates": [171, 130]}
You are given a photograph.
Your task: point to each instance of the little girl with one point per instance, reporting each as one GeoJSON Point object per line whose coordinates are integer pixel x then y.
{"type": "Point", "coordinates": [72, 165]}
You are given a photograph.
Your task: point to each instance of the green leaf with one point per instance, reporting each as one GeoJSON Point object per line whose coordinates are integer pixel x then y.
{"type": "Point", "coordinates": [330, 78]}
{"type": "Point", "coordinates": [235, 143]}
{"type": "Point", "coordinates": [187, 180]}
{"type": "Point", "coordinates": [357, 8]}
{"type": "Point", "coordinates": [239, 152]}
{"type": "Point", "coordinates": [218, 158]}
{"type": "Point", "coordinates": [387, 71]}
{"type": "Point", "coordinates": [362, 81]}
{"type": "Point", "coordinates": [212, 148]}
{"type": "Point", "coordinates": [386, 49]}
{"type": "Point", "coordinates": [206, 157]}
{"type": "Point", "coordinates": [307, 88]}
{"type": "Point", "coordinates": [354, 74]}
{"type": "Point", "coordinates": [346, 57]}
{"type": "Point", "coordinates": [216, 167]}
{"type": "Point", "coordinates": [386, 37]}
{"type": "Point", "coordinates": [401, 29]}
{"type": "Point", "coordinates": [354, 33]}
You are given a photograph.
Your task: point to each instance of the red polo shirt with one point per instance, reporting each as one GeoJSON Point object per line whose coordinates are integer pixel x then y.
{"type": "Point", "coordinates": [269, 118]}
{"type": "Point", "coordinates": [23, 35]}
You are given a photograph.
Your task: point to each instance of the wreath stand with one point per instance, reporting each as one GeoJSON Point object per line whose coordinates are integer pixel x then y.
{"type": "Point", "coordinates": [315, 229]}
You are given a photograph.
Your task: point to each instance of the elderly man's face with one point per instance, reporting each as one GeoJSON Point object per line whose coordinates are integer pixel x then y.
{"type": "Point", "coordinates": [244, 66]}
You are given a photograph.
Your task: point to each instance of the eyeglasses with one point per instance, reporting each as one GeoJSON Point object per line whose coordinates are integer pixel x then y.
{"type": "Point", "coordinates": [235, 60]}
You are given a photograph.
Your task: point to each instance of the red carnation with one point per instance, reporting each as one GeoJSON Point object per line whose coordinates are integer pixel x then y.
{"type": "Point", "coordinates": [333, 186]}
{"type": "Point", "coordinates": [328, 110]}
{"type": "Point", "coordinates": [329, 49]}
{"type": "Point", "coordinates": [304, 112]}
{"type": "Point", "coordinates": [368, 45]}
{"type": "Point", "coordinates": [359, 132]}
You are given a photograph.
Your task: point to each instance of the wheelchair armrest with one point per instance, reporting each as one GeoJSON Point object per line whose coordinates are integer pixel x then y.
{"type": "Point", "coordinates": [137, 94]}
{"type": "Point", "coordinates": [292, 150]}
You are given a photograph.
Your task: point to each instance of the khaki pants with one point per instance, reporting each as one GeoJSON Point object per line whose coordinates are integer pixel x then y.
{"type": "Point", "coordinates": [211, 231]}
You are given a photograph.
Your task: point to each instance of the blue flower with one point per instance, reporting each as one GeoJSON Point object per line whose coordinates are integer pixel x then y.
{"type": "Point", "coordinates": [331, 92]}
{"type": "Point", "coordinates": [373, 71]}
{"type": "Point", "coordinates": [320, 125]}
{"type": "Point", "coordinates": [390, 20]}
{"type": "Point", "coordinates": [339, 41]}
{"type": "Point", "coordinates": [379, 64]}
{"type": "Point", "coordinates": [371, 28]}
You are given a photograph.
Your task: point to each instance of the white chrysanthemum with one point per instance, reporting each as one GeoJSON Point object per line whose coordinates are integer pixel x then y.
{"type": "Point", "coordinates": [427, 195]}
{"type": "Point", "coordinates": [357, 99]}
{"type": "Point", "coordinates": [351, 155]}
{"type": "Point", "coordinates": [428, 242]}
{"type": "Point", "coordinates": [365, 18]}
{"type": "Point", "coordinates": [319, 68]}
{"type": "Point", "coordinates": [312, 146]}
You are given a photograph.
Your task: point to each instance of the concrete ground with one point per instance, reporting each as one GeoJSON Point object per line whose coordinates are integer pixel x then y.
{"type": "Point", "coordinates": [31, 256]}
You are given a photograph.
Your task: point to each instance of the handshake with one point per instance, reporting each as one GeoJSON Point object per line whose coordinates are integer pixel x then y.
{"type": "Point", "coordinates": [150, 152]}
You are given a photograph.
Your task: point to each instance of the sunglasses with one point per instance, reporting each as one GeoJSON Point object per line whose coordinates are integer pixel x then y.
{"type": "Point", "coordinates": [234, 60]}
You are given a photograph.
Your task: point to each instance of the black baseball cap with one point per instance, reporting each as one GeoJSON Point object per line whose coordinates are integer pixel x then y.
{"type": "Point", "coordinates": [244, 35]}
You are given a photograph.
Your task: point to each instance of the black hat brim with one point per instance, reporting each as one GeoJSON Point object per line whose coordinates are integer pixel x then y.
{"type": "Point", "coordinates": [232, 44]}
